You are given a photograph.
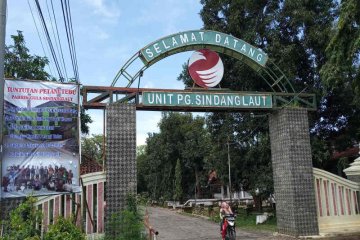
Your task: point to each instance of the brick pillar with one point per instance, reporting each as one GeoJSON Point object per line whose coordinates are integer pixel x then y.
{"type": "Point", "coordinates": [67, 206]}
{"type": "Point", "coordinates": [78, 210]}
{"type": "Point", "coordinates": [120, 158]}
{"type": "Point", "coordinates": [45, 215]}
{"type": "Point", "coordinates": [293, 174]}
{"type": "Point", "coordinates": [89, 198]}
{"type": "Point", "coordinates": [100, 197]}
{"type": "Point", "coordinates": [353, 172]}
{"type": "Point", "coordinates": [56, 208]}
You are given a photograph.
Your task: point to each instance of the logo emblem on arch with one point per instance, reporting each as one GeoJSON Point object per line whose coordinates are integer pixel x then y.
{"type": "Point", "coordinates": [206, 68]}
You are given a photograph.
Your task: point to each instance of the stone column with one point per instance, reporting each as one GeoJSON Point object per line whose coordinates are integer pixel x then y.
{"type": "Point", "coordinates": [353, 172]}
{"type": "Point", "coordinates": [120, 159]}
{"type": "Point", "coordinates": [293, 174]}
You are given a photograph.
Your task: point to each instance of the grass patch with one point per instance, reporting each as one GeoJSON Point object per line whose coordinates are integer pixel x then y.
{"type": "Point", "coordinates": [249, 223]}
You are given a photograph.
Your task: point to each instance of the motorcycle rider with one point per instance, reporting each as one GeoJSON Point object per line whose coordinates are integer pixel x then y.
{"type": "Point", "coordinates": [225, 209]}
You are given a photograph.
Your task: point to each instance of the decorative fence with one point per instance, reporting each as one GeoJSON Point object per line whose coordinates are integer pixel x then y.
{"type": "Point", "coordinates": [338, 202]}
{"type": "Point", "coordinates": [89, 214]}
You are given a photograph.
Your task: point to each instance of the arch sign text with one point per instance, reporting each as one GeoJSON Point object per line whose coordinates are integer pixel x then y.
{"type": "Point", "coordinates": [173, 43]}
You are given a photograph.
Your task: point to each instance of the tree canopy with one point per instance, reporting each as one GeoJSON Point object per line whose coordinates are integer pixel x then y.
{"type": "Point", "coordinates": [316, 45]}
{"type": "Point", "coordinates": [184, 138]}
{"type": "Point", "coordinates": [20, 64]}
{"type": "Point", "coordinates": [93, 147]}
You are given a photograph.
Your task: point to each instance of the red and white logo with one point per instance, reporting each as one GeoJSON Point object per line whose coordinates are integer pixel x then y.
{"type": "Point", "coordinates": [206, 68]}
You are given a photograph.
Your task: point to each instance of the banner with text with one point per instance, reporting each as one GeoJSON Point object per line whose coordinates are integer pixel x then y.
{"type": "Point", "coordinates": [41, 138]}
{"type": "Point", "coordinates": [208, 100]}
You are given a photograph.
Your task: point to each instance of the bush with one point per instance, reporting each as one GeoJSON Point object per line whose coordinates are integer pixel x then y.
{"type": "Point", "coordinates": [64, 229]}
{"type": "Point", "coordinates": [25, 219]}
{"type": "Point", "coordinates": [127, 224]}
{"type": "Point", "coordinates": [23, 222]}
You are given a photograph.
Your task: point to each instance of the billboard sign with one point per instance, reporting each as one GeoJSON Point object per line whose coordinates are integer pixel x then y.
{"type": "Point", "coordinates": [236, 100]}
{"type": "Point", "coordinates": [41, 138]}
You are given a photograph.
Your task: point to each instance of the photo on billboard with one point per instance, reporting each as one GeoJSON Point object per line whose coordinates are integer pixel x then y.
{"type": "Point", "coordinates": [40, 139]}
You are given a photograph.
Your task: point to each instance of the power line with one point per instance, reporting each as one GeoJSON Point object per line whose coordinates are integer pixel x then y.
{"type": "Point", "coordinates": [42, 45]}
{"type": "Point", "coordinates": [49, 41]}
{"type": "Point", "coordinates": [69, 34]}
{"type": "Point", "coordinates": [73, 42]}
{"type": "Point", "coordinates": [59, 62]}
{"type": "Point", "coordinates": [57, 43]}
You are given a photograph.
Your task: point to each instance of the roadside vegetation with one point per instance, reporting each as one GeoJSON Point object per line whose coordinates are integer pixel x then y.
{"type": "Point", "coordinates": [128, 224]}
{"type": "Point", "coordinates": [25, 224]}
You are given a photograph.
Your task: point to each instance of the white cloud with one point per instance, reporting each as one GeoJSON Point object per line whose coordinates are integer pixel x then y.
{"type": "Point", "coordinates": [146, 122]}
{"type": "Point", "coordinates": [173, 15]}
{"type": "Point", "coordinates": [96, 127]}
{"type": "Point", "coordinates": [102, 9]}
{"type": "Point", "coordinates": [101, 34]}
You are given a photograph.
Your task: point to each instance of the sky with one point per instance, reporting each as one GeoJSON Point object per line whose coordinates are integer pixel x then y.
{"type": "Point", "coordinates": [107, 34]}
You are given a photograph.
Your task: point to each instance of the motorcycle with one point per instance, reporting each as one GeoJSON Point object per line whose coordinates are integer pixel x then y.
{"type": "Point", "coordinates": [228, 228]}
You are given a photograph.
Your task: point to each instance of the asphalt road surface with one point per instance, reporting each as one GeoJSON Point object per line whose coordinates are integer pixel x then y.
{"type": "Point", "coordinates": [175, 226]}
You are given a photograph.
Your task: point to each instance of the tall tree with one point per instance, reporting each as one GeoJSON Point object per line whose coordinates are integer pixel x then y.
{"type": "Point", "coordinates": [93, 147]}
{"type": "Point", "coordinates": [142, 166]}
{"type": "Point", "coordinates": [343, 51]}
{"type": "Point", "coordinates": [20, 64]}
{"type": "Point", "coordinates": [181, 137]}
{"type": "Point", "coordinates": [295, 34]}
{"type": "Point", "coordinates": [178, 182]}
{"type": "Point", "coordinates": [341, 77]}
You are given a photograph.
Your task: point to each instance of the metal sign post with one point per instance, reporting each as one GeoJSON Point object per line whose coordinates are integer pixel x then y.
{"type": "Point", "coordinates": [2, 80]}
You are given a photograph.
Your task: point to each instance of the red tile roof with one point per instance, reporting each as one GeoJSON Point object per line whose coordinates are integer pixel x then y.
{"type": "Point", "coordinates": [350, 152]}
{"type": "Point", "coordinates": [89, 165]}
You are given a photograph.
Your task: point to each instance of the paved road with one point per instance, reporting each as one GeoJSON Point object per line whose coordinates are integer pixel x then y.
{"type": "Point", "coordinates": [174, 226]}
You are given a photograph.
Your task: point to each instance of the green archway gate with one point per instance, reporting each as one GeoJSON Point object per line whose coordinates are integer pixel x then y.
{"type": "Point", "coordinates": [289, 130]}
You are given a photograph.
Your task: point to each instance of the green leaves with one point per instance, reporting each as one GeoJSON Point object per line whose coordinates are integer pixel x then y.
{"type": "Point", "coordinates": [182, 137]}
{"type": "Point", "coordinates": [23, 221]}
{"type": "Point", "coordinates": [20, 64]}
{"type": "Point", "coordinates": [93, 147]}
{"type": "Point", "coordinates": [343, 49]}
{"type": "Point", "coordinates": [315, 43]}
{"type": "Point", "coordinates": [24, 225]}
{"type": "Point", "coordinates": [85, 120]}
{"type": "Point", "coordinates": [64, 229]}
{"type": "Point", "coordinates": [128, 224]}
{"type": "Point", "coordinates": [178, 182]}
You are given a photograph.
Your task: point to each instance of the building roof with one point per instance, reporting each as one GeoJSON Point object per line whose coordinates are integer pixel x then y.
{"type": "Point", "coordinates": [350, 152]}
{"type": "Point", "coordinates": [89, 165]}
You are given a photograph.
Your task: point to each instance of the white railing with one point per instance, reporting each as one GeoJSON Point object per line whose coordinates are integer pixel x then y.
{"type": "Point", "coordinates": [72, 204]}
{"type": "Point", "coordinates": [338, 202]}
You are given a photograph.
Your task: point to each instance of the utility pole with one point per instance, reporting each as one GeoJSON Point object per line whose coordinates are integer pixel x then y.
{"type": "Point", "coordinates": [2, 80]}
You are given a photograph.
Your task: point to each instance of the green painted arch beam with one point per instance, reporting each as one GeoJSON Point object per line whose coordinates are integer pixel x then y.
{"type": "Point", "coordinates": [229, 45]}
{"type": "Point", "coordinates": [198, 39]}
